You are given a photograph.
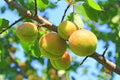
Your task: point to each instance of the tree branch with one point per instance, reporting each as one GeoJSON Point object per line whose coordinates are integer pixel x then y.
{"type": "Point", "coordinates": [35, 7]}
{"type": "Point", "coordinates": [108, 64]}
{"type": "Point", "coordinates": [30, 15]}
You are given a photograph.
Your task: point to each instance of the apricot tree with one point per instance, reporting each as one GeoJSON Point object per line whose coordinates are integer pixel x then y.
{"type": "Point", "coordinates": [42, 40]}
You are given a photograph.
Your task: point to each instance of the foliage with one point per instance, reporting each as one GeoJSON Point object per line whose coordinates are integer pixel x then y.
{"type": "Point", "coordinates": [94, 14]}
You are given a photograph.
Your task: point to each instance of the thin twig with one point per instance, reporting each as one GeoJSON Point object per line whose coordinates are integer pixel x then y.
{"type": "Point", "coordinates": [3, 30]}
{"type": "Point", "coordinates": [83, 60]}
{"type": "Point", "coordinates": [35, 7]}
{"type": "Point", "coordinates": [65, 12]}
{"type": "Point", "coordinates": [13, 59]}
{"type": "Point", "coordinates": [104, 51]}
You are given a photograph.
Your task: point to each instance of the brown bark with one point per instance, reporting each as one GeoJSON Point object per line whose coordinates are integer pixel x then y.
{"type": "Point", "coordinates": [106, 63]}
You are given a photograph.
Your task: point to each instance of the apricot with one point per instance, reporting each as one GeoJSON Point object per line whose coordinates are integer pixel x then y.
{"type": "Point", "coordinates": [83, 42]}
{"type": "Point", "coordinates": [66, 28]}
{"type": "Point", "coordinates": [23, 65]}
{"type": "Point", "coordinates": [53, 74]}
{"type": "Point", "coordinates": [63, 62]}
{"type": "Point", "coordinates": [52, 46]}
{"type": "Point", "coordinates": [19, 77]}
{"type": "Point", "coordinates": [27, 32]}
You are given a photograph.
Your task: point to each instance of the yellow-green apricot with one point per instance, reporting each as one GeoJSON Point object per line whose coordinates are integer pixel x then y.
{"type": "Point", "coordinates": [63, 62]}
{"type": "Point", "coordinates": [83, 42]}
{"type": "Point", "coordinates": [66, 28]}
{"type": "Point", "coordinates": [52, 46]}
{"type": "Point", "coordinates": [27, 32]}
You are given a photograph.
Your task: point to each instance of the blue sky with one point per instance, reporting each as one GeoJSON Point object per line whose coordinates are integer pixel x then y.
{"type": "Point", "coordinates": [55, 17]}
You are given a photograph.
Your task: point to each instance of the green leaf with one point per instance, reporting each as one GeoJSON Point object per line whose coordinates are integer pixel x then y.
{"type": "Point", "coordinates": [52, 5]}
{"type": "Point", "coordinates": [36, 51]}
{"type": "Point", "coordinates": [68, 75]}
{"type": "Point", "coordinates": [90, 12]}
{"type": "Point", "coordinates": [74, 17]}
{"type": "Point", "coordinates": [119, 33]}
{"type": "Point", "coordinates": [94, 5]}
{"type": "Point", "coordinates": [3, 23]}
{"type": "Point", "coordinates": [78, 9]}
{"type": "Point", "coordinates": [45, 1]}
{"type": "Point", "coordinates": [78, 21]}
{"type": "Point", "coordinates": [26, 46]}
{"type": "Point", "coordinates": [41, 5]}
{"type": "Point", "coordinates": [3, 8]}
{"type": "Point", "coordinates": [2, 76]}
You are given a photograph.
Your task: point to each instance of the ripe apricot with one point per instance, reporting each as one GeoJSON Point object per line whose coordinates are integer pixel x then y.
{"type": "Point", "coordinates": [66, 28]}
{"type": "Point", "coordinates": [63, 62]}
{"type": "Point", "coordinates": [22, 64]}
{"type": "Point", "coordinates": [83, 42]}
{"type": "Point", "coordinates": [52, 46]}
{"type": "Point", "coordinates": [27, 32]}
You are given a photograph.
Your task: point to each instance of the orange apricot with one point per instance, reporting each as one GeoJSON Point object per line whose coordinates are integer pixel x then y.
{"type": "Point", "coordinates": [27, 32]}
{"type": "Point", "coordinates": [83, 42]}
{"type": "Point", "coordinates": [63, 62]}
{"type": "Point", "coordinates": [52, 46]}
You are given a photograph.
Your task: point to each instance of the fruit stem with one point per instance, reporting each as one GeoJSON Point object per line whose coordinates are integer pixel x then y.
{"type": "Point", "coordinates": [83, 60]}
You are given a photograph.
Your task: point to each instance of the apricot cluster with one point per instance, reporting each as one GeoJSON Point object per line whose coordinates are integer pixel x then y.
{"type": "Point", "coordinates": [54, 48]}
{"type": "Point", "coordinates": [53, 45]}
{"type": "Point", "coordinates": [82, 42]}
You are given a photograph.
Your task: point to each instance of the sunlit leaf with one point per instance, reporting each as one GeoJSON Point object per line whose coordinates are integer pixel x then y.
{"type": "Point", "coordinates": [94, 5]}
{"type": "Point", "coordinates": [3, 23]}
{"type": "Point", "coordinates": [2, 76]}
{"type": "Point", "coordinates": [74, 17]}
{"type": "Point", "coordinates": [119, 33]}
{"type": "Point", "coordinates": [68, 75]}
{"type": "Point", "coordinates": [80, 9]}
{"type": "Point", "coordinates": [116, 19]}
{"type": "Point", "coordinates": [78, 21]}
{"type": "Point", "coordinates": [41, 5]}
